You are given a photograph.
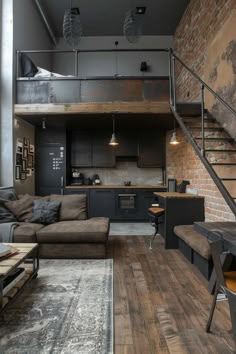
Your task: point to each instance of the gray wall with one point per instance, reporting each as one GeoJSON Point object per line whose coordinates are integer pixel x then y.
{"type": "Point", "coordinates": [126, 171]}
{"type": "Point", "coordinates": [30, 32]}
{"type": "Point", "coordinates": [110, 64]}
{"type": "Point", "coordinates": [22, 130]}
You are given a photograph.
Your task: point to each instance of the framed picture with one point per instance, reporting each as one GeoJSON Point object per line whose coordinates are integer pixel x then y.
{"type": "Point", "coordinates": [23, 175]}
{"type": "Point", "coordinates": [29, 172]}
{"type": "Point", "coordinates": [30, 161]}
{"type": "Point", "coordinates": [18, 172]}
{"type": "Point", "coordinates": [19, 146]}
{"type": "Point", "coordinates": [18, 159]}
{"type": "Point", "coordinates": [25, 153]}
{"type": "Point", "coordinates": [26, 143]}
{"type": "Point", "coordinates": [31, 149]}
{"type": "Point", "coordinates": [24, 165]}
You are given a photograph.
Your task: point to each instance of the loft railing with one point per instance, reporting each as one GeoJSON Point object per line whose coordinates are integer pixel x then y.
{"type": "Point", "coordinates": [78, 51]}
{"type": "Point", "coordinates": [172, 66]}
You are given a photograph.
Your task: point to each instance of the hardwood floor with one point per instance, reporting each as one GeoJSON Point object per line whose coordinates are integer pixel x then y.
{"type": "Point", "coordinates": [161, 302]}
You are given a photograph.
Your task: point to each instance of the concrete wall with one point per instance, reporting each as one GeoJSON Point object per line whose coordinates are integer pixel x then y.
{"type": "Point", "coordinates": [126, 171]}
{"type": "Point", "coordinates": [30, 32]}
{"type": "Point", "coordinates": [23, 130]}
{"type": "Point", "coordinates": [110, 64]}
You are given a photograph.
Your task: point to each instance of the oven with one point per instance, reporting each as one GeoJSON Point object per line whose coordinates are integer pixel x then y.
{"type": "Point", "coordinates": [126, 204]}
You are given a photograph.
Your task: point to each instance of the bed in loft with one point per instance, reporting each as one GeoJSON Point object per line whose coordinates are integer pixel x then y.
{"type": "Point", "coordinates": [47, 90]}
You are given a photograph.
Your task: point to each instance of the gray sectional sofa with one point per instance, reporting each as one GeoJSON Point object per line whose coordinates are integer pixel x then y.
{"type": "Point", "coordinates": [73, 235]}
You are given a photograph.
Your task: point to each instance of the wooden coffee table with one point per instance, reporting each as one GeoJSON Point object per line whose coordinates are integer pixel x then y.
{"type": "Point", "coordinates": [27, 257]}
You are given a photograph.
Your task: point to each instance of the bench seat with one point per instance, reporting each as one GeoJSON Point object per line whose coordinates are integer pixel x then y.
{"type": "Point", "coordinates": [195, 248]}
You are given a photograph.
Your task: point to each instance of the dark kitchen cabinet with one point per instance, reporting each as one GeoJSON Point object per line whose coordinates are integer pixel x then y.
{"type": "Point", "coordinates": [151, 149]}
{"type": "Point", "coordinates": [102, 153]}
{"type": "Point", "coordinates": [81, 149]}
{"type": "Point", "coordinates": [102, 203]}
{"type": "Point", "coordinates": [50, 161]}
{"type": "Point", "coordinates": [180, 209]}
{"type": "Point", "coordinates": [127, 144]}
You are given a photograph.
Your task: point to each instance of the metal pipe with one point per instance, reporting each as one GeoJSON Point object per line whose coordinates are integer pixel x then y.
{"type": "Point", "coordinates": [203, 115]}
{"type": "Point", "coordinates": [170, 78]}
{"type": "Point", "coordinates": [206, 86]}
{"type": "Point", "coordinates": [173, 82]}
{"type": "Point", "coordinates": [93, 50]}
{"type": "Point", "coordinates": [49, 28]}
{"type": "Point", "coordinates": [76, 63]}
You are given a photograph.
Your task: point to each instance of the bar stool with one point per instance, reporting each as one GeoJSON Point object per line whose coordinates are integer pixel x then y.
{"type": "Point", "coordinates": [155, 214]}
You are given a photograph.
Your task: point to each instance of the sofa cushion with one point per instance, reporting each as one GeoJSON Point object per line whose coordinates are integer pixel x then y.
{"type": "Point", "coordinates": [92, 230]}
{"type": "Point", "coordinates": [26, 232]}
{"type": "Point", "coordinates": [45, 212]}
{"type": "Point", "coordinates": [6, 194]}
{"type": "Point", "coordinates": [22, 208]}
{"type": "Point", "coordinates": [73, 207]}
{"type": "Point", "coordinates": [194, 239]}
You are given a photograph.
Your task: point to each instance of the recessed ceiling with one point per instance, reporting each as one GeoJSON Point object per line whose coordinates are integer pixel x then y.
{"type": "Point", "coordinates": [106, 17]}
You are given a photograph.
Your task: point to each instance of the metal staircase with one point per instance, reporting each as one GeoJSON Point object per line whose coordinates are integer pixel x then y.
{"type": "Point", "coordinates": [214, 146]}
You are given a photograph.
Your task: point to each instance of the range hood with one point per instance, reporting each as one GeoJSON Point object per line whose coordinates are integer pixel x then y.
{"type": "Point", "coordinates": [126, 158]}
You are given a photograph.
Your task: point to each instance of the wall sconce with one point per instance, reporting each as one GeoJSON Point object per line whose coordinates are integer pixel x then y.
{"type": "Point", "coordinates": [113, 141]}
{"type": "Point", "coordinates": [143, 66]}
{"type": "Point", "coordinates": [16, 123]}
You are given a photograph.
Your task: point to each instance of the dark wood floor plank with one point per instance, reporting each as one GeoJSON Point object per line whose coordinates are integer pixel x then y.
{"type": "Point", "coordinates": [162, 302]}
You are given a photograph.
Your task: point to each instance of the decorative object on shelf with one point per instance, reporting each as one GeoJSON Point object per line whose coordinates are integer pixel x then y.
{"type": "Point", "coordinates": [173, 139]}
{"type": "Point", "coordinates": [133, 24]}
{"type": "Point", "coordinates": [113, 140]}
{"type": "Point", "coordinates": [72, 28]}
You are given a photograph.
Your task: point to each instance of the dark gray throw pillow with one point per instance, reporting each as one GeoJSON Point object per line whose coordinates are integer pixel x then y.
{"type": "Point", "coordinates": [28, 69]}
{"type": "Point", "coordinates": [6, 194]}
{"type": "Point", "coordinates": [45, 212]}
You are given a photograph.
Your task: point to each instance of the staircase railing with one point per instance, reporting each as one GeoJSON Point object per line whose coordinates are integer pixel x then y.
{"type": "Point", "coordinates": [173, 105]}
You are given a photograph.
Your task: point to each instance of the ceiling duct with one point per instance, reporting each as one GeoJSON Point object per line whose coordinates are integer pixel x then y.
{"type": "Point", "coordinates": [45, 20]}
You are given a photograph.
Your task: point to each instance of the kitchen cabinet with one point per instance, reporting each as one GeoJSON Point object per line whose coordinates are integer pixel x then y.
{"type": "Point", "coordinates": [127, 144]}
{"type": "Point", "coordinates": [180, 209]}
{"type": "Point", "coordinates": [81, 149]}
{"type": "Point", "coordinates": [50, 161]}
{"type": "Point", "coordinates": [102, 153]}
{"type": "Point", "coordinates": [102, 203]}
{"type": "Point", "coordinates": [145, 200]}
{"type": "Point", "coordinates": [91, 149]}
{"type": "Point", "coordinates": [151, 149]}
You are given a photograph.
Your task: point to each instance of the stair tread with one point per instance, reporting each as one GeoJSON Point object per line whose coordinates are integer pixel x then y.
{"type": "Point", "coordinates": [223, 163]}
{"type": "Point", "coordinates": [207, 128]}
{"type": "Point", "coordinates": [228, 179]}
{"type": "Point", "coordinates": [219, 150]}
{"type": "Point", "coordinates": [221, 139]}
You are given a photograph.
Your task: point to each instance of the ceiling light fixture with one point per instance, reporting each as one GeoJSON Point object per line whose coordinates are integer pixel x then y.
{"type": "Point", "coordinates": [113, 141]}
{"type": "Point", "coordinates": [174, 139]}
{"type": "Point", "coordinates": [133, 24]}
{"type": "Point", "coordinates": [72, 28]}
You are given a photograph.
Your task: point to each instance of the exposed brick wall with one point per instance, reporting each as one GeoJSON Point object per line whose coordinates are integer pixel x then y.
{"type": "Point", "coordinates": [199, 25]}
{"type": "Point", "coordinates": [183, 163]}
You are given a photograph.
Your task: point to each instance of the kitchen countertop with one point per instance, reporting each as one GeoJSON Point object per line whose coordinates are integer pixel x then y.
{"type": "Point", "coordinates": [176, 195]}
{"type": "Point", "coordinates": [115, 186]}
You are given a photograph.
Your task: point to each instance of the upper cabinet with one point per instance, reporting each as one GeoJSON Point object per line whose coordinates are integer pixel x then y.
{"type": "Point", "coordinates": [151, 149]}
{"type": "Point", "coordinates": [91, 149]}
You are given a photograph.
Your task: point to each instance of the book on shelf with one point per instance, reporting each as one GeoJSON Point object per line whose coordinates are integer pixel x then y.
{"type": "Point", "coordinates": [6, 251]}
{"type": "Point", "coordinates": [12, 279]}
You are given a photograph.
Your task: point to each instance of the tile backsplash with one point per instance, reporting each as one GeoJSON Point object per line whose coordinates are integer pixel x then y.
{"type": "Point", "coordinates": [126, 171]}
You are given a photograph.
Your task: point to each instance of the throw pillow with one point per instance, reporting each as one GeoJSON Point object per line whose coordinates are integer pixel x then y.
{"type": "Point", "coordinates": [45, 212]}
{"type": "Point", "coordinates": [6, 215]}
{"type": "Point", "coordinates": [28, 69]}
{"type": "Point", "coordinates": [73, 207]}
{"type": "Point", "coordinates": [22, 208]}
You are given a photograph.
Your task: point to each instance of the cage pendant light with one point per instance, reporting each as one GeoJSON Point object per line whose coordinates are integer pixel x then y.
{"type": "Point", "coordinates": [132, 28]}
{"type": "Point", "coordinates": [72, 28]}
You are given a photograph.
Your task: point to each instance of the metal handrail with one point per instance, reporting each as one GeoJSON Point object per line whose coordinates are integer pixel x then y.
{"type": "Point", "coordinates": [78, 51]}
{"type": "Point", "coordinates": [203, 83]}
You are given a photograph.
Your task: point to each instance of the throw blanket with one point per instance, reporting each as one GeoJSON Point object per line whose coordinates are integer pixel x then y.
{"type": "Point", "coordinates": [6, 231]}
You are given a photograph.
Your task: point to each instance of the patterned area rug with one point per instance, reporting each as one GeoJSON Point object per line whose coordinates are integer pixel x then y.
{"type": "Point", "coordinates": [68, 309]}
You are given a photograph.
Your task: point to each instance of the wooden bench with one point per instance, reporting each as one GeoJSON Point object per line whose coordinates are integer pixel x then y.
{"type": "Point", "coordinates": [195, 248]}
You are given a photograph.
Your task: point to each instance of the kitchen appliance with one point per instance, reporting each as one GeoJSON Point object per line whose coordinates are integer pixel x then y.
{"type": "Point", "coordinates": [96, 180]}
{"type": "Point", "coordinates": [126, 204]}
{"type": "Point", "coordinates": [77, 178]}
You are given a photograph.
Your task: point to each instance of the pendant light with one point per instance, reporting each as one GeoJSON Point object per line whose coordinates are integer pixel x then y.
{"type": "Point", "coordinates": [72, 28]}
{"type": "Point", "coordinates": [173, 139]}
{"type": "Point", "coordinates": [113, 141]}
